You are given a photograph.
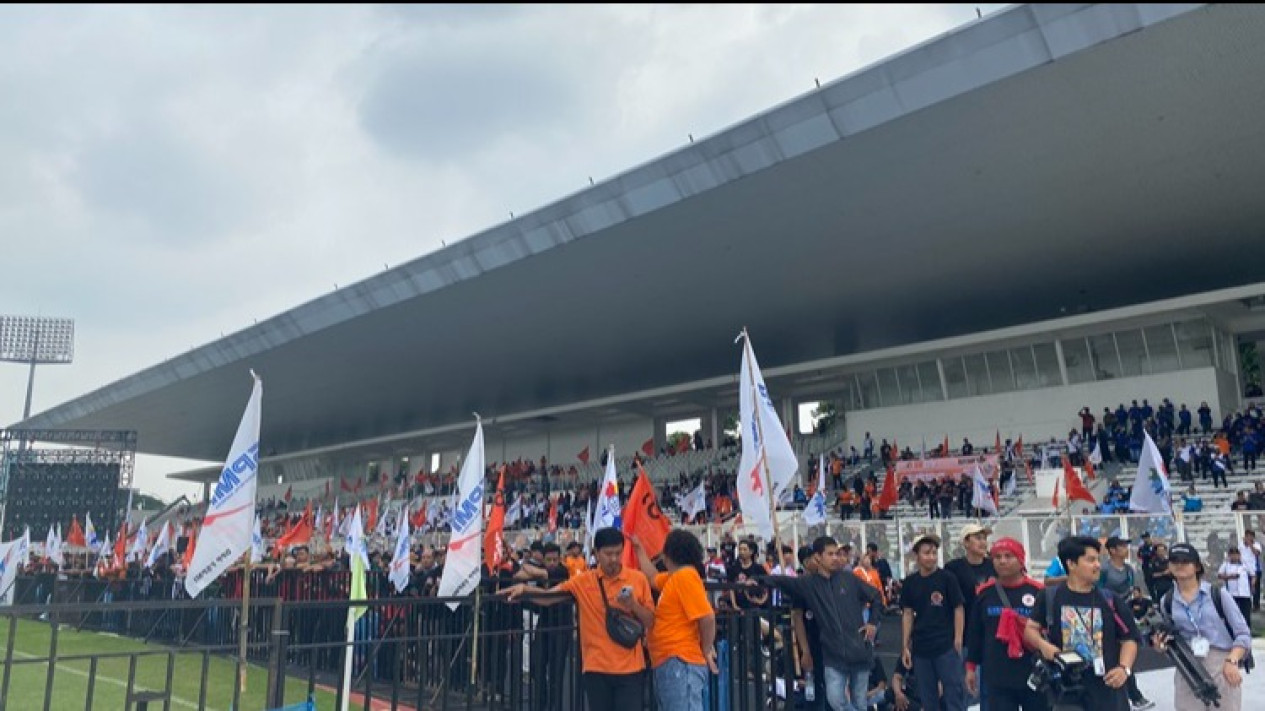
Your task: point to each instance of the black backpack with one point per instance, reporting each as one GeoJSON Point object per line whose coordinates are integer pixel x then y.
{"type": "Point", "coordinates": [1247, 663]}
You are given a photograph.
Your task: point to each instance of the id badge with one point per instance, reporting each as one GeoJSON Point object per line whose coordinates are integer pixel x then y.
{"type": "Point", "coordinates": [1100, 667]}
{"type": "Point", "coordinates": [1199, 647]}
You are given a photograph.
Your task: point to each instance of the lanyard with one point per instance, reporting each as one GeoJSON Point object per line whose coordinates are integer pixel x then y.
{"type": "Point", "coordinates": [1196, 619]}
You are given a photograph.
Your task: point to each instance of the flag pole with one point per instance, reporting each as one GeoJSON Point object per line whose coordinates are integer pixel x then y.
{"type": "Point", "coordinates": [764, 460]}
{"type": "Point", "coordinates": [245, 630]}
{"type": "Point", "coordinates": [474, 642]}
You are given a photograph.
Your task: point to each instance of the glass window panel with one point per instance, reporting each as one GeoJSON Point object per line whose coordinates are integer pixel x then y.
{"type": "Point", "coordinates": [1102, 351]}
{"type": "Point", "coordinates": [1162, 347]}
{"type": "Point", "coordinates": [1194, 342]}
{"type": "Point", "coordinates": [888, 390]}
{"type": "Point", "coordinates": [1080, 369]}
{"type": "Point", "coordinates": [909, 389]}
{"type": "Point", "coordinates": [1132, 352]}
{"type": "Point", "coordinates": [1047, 358]}
{"type": "Point", "coordinates": [1024, 368]}
{"type": "Point", "coordinates": [977, 382]}
{"type": "Point", "coordinates": [955, 377]}
{"type": "Point", "coordinates": [999, 369]}
{"type": "Point", "coordinates": [929, 374]}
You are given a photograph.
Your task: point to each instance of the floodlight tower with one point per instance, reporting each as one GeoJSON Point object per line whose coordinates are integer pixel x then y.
{"type": "Point", "coordinates": [36, 340]}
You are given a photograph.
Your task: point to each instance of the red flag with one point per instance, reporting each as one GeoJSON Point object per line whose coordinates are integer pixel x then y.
{"type": "Point", "coordinates": [493, 540]}
{"type": "Point", "coordinates": [299, 533]}
{"type": "Point", "coordinates": [1089, 470]}
{"type": "Point", "coordinates": [418, 519]}
{"type": "Point", "coordinates": [887, 497]}
{"type": "Point", "coordinates": [1072, 484]}
{"type": "Point", "coordinates": [1055, 502]}
{"type": "Point", "coordinates": [289, 491]}
{"type": "Point", "coordinates": [342, 484]}
{"type": "Point", "coordinates": [643, 518]}
{"type": "Point", "coordinates": [359, 484]}
{"type": "Point", "coordinates": [371, 514]}
{"type": "Point", "coordinates": [553, 513]}
{"type": "Point", "coordinates": [946, 446]}
{"type": "Point", "coordinates": [1027, 466]}
{"type": "Point", "coordinates": [120, 545]}
{"type": "Point", "coordinates": [648, 447]}
{"type": "Point", "coordinates": [583, 456]}
{"type": "Point", "coordinates": [997, 442]}
{"type": "Point", "coordinates": [75, 535]}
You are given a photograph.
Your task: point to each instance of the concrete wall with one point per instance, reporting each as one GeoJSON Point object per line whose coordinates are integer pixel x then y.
{"type": "Point", "coordinates": [561, 446]}
{"type": "Point", "coordinates": [1228, 393]}
{"type": "Point", "coordinates": [1035, 414]}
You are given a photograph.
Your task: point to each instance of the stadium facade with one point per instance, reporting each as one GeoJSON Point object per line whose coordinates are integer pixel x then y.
{"type": "Point", "coordinates": [1049, 208]}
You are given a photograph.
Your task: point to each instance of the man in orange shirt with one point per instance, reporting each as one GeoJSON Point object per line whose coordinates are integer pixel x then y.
{"type": "Point", "coordinates": [614, 676]}
{"type": "Point", "coordinates": [682, 645]}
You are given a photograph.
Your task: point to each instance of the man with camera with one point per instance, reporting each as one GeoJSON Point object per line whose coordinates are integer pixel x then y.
{"type": "Point", "coordinates": [1087, 632]}
{"type": "Point", "coordinates": [996, 661]}
{"type": "Point", "coordinates": [1214, 630]}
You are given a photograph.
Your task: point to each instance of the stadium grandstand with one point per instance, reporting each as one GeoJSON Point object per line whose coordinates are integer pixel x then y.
{"type": "Point", "coordinates": [1032, 239]}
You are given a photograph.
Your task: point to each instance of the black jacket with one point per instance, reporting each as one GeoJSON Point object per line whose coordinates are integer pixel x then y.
{"type": "Point", "coordinates": [837, 603]}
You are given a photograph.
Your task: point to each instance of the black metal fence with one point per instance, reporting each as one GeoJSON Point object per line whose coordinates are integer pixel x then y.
{"type": "Point", "coordinates": [408, 652]}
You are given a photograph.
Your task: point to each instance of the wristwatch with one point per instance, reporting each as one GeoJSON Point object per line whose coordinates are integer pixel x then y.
{"type": "Point", "coordinates": [1127, 671]}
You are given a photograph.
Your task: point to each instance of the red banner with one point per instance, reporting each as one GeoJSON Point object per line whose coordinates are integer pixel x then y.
{"type": "Point", "coordinates": [953, 467]}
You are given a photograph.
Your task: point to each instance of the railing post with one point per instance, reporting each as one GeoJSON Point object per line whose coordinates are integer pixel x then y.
{"type": "Point", "coordinates": [277, 667]}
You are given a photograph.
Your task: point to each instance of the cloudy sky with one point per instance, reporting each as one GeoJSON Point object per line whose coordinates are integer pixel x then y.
{"type": "Point", "coordinates": [169, 174]}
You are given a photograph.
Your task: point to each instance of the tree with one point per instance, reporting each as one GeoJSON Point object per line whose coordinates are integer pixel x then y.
{"type": "Point", "coordinates": [824, 416]}
{"type": "Point", "coordinates": [1250, 365]}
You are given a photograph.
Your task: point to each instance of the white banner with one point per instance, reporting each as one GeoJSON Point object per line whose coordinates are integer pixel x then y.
{"type": "Point", "coordinates": [230, 515]}
{"type": "Point", "coordinates": [1151, 493]}
{"type": "Point", "coordinates": [13, 557]}
{"type": "Point", "coordinates": [767, 465]}
{"type": "Point", "coordinates": [608, 510]}
{"type": "Point", "coordinates": [465, 547]}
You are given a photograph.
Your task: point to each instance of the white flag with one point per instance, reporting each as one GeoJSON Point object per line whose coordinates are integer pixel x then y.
{"type": "Point", "coordinates": [1150, 488]}
{"type": "Point", "coordinates": [13, 557]}
{"type": "Point", "coordinates": [514, 512]}
{"type": "Point", "coordinates": [1011, 485]}
{"type": "Point", "coordinates": [141, 544]}
{"type": "Point", "coordinates": [982, 494]}
{"type": "Point", "coordinates": [89, 532]}
{"type": "Point", "coordinates": [380, 528]}
{"type": "Point", "coordinates": [400, 563]}
{"type": "Point", "coordinates": [161, 546]}
{"type": "Point", "coordinates": [256, 543]}
{"type": "Point", "coordinates": [607, 513]}
{"type": "Point", "coordinates": [355, 544]}
{"type": "Point", "coordinates": [230, 514]}
{"type": "Point", "coordinates": [1095, 455]}
{"type": "Point", "coordinates": [767, 465]}
{"type": "Point", "coordinates": [815, 511]}
{"type": "Point", "coordinates": [50, 546]}
{"type": "Point", "coordinates": [465, 547]}
{"type": "Point", "coordinates": [694, 502]}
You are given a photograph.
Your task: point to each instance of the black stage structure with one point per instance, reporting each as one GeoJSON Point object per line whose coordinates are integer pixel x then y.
{"type": "Point", "coordinates": [47, 476]}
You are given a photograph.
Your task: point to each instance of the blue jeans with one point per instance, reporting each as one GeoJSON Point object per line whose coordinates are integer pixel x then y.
{"type": "Point", "coordinates": [943, 672]}
{"type": "Point", "coordinates": [679, 686]}
{"type": "Point", "coordinates": [847, 688]}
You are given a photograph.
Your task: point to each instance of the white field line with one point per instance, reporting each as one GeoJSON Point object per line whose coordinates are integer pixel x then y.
{"type": "Point", "coordinates": [108, 679]}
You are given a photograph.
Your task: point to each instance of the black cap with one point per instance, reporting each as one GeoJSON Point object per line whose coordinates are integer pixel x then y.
{"type": "Point", "coordinates": [1116, 541]}
{"type": "Point", "coordinates": [1183, 553]}
{"type": "Point", "coordinates": [1146, 534]}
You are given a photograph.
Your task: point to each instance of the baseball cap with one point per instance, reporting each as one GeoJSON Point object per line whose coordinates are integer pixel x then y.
{"type": "Point", "coordinates": [925, 538]}
{"type": "Point", "coordinates": [971, 529]}
{"type": "Point", "coordinates": [1116, 541]}
{"type": "Point", "coordinates": [1183, 553]}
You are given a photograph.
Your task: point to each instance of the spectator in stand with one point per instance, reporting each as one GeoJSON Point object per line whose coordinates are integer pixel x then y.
{"type": "Point", "coordinates": [1205, 418]}
{"type": "Point", "coordinates": [1234, 574]}
{"type": "Point", "coordinates": [1087, 422]}
{"type": "Point", "coordinates": [967, 448]}
{"type": "Point", "coordinates": [1183, 421]}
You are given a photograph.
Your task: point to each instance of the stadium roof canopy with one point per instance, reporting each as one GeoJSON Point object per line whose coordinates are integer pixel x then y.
{"type": "Point", "coordinates": [1043, 161]}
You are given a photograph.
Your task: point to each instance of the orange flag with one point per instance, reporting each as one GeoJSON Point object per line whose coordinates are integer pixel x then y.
{"type": "Point", "coordinates": [887, 498]}
{"type": "Point", "coordinates": [1089, 470]}
{"type": "Point", "coordinates": [553, 514]}
{"type": "Point", "coordinates": [188, 552]}
{"type": "Point", "coordinates": [419, 517]}
{"type": "Point", "coordinates": [583, 456]}
{"type": "Point", "coordinates": [1073, 486]}
{"type": "Point", "coordinates": [493, 539]}
{"type": "Point", "coordinates": [75, 535]}
{"type": "Point", "coordinates": [120, 545]}
{"type": "Point", "coordinates": [299, 533]}
{"type": "Point", "coordinates": [371, 514]}
{"type": "Point", "coordinates": [643, 519]}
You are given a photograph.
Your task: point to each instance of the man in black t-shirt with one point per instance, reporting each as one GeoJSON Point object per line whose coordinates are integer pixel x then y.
{"type": "Point", "coordinates": [1080, 617]}
{"type": "Point", "coordinates": [997, 664]}
{"type": "Point", "coordinates": [744, 569]}
{"type": "Point", "coordinates": [932, 628]}
{"type": "Point", "coordinates": [974, 568]}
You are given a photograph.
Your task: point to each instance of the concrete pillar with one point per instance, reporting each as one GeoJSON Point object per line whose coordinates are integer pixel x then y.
{"type": "Point", "coordinates": [715, 426]}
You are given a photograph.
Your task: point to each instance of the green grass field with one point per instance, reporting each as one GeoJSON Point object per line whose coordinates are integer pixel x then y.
{"type": "Point", "coordinates": [70, 683]}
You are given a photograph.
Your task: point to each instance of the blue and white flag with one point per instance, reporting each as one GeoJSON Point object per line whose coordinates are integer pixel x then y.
{"type": "Point", "coordinates": [141, 544]}
{"type": "Point", "coordinates": [1150, 489]}
{"type": "Point", "coordinates": [694, 502]}
{"type": "Point", "coordinates": [768, 462]}
{"type": "Point", "coordinates": [982, 493]}
{"type": "Point", "coordinates": [89, 532]}
{"type": "Point", "coordinates": [464, 561]}
{"type": "Point", "coordinates": [13, 557]}
{"type": "Point", "coordinates": [815, 511]}
{"type": "Point", "coordinates": [161, 546]}
{"type": "Point", "coordinates": [230, 514]}
{"type": "Point", "coordinates": [256, 543]}
{"type": "Point", "coordinates": [400, 563]}
{"type": "Point", "coordinates": [607, 513]}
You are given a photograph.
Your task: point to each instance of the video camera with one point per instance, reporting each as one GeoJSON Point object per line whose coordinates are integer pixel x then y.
{"type": "Point", "coordinates": [1061, 680]}
{"type": "Point", "coordinates": [1188, 665]}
